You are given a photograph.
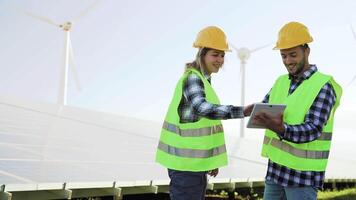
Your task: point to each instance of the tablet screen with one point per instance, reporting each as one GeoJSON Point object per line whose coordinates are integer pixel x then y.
{"type": "Point", "coordinates": [272, 109]}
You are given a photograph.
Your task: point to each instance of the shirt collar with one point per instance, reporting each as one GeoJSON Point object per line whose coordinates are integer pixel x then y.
{"type": "Point", "coordinates": [207, 76]}
{"type": "Point", "coordinates": [306, 75]}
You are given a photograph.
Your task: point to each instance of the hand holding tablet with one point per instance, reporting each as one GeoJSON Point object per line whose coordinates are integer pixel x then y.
{"type": "Point", "coordinates": [271, 109]}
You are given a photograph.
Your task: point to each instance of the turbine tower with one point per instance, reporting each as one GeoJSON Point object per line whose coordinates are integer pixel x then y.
{"type": "Point", "coordinates": [244, 54]}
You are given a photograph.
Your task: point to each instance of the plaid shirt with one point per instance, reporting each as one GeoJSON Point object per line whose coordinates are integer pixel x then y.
{"type": "Point", "coordinates": [306, 132]}
{"type": "Point", "coordinates": [194, 106]}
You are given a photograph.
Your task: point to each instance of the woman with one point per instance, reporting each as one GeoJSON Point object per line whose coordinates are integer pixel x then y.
{"type": "Point", "coordinates": [192, 141]}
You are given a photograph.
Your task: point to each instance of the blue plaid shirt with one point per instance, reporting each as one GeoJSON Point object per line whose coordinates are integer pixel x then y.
{"type": "Point", "coordinates": [306, 132]}
{"type": "Point", "coordinates": [194, 106]}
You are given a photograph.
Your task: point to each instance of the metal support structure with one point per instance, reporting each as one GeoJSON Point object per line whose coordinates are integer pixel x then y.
{"type": "Point", "coordinates": [162, 186]}
{"type": "Point", "coordinates": [44, 194]}
{"type": "Point", "coordinates": [142, 187]}
{"type": "Point", "coordinates": [225, 184]}
{"type": "Point", "coordinates": [119, 190]}
{"type": "Point", "coordinates": [4, 195]}
{"type": "Point", "coordinates": [96, 189]}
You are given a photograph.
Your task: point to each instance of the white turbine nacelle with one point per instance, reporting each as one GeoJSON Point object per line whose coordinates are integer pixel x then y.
{"type": "Point", "coordinates": [243, 54]}
{"type": "Point", "coordinates": [66, 26]}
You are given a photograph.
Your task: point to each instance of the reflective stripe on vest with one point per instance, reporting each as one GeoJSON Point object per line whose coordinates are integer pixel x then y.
{"type": "Point", "coordinates": [294, 151]}
{"type": "Point", "coordinates": [193, 132]}
{"type": "Point", "coordinates": [325, 136]}
{"type": "Point", "coordinates": [191, 153]}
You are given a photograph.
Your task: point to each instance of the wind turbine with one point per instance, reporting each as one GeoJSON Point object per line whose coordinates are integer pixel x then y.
{"type": "Point", "coordinates": [244, 54]}
{"type": "Point", "coordinates": [354, 78]}
{"type": "Point", "coordinates": [68, 58]}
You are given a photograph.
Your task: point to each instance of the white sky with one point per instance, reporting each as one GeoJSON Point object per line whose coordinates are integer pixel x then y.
{"type": "Point", "coordinates": [130, 53]}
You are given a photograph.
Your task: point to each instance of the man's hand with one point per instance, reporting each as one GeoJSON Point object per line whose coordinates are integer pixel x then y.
{"type": "Point", "coordinates": [248, 109]}
{"type": "Point", "coordinates": [274, 123]}
{"type": "Point", "coordinates": [214, 172]}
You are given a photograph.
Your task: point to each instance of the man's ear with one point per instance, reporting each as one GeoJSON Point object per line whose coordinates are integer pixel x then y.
{"type": "Point", "coordinates": [307, 51]}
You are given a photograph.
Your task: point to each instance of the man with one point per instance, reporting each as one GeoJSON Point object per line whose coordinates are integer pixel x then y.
{"type": "Point", "coordinates": [297, 142]}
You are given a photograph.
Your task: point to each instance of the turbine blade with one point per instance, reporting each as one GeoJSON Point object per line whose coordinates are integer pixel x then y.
{"type": "Point", "coordinates": [86, 11]}
{"type": "Point", "coordinates": [352, 80]}
{"type": "Point", "coordinates": [234, 47]}
{"type": "Point", "coordinates": [261, 47]}
{"type": "Point", "coordinates": [73, 66]}
{"type": "Point", "coordinates": [41, 18]}
{"type": "Point", "coordinates": [353, 31]}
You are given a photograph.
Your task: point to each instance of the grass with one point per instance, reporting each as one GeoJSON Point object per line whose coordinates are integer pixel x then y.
{"type": "Point", "coordinates": [346, 194]}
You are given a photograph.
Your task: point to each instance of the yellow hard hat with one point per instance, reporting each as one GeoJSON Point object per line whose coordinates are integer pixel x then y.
{"type": "Point", "coordinates": [291, 35]}
{"type": "Point", "coordinates": [211, 37]}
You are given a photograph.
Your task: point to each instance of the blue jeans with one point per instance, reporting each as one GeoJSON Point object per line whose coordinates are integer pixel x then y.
{"type": "Point", "coordinates": [186, 185]}
{"type": "Point", "coordinates": [274, 191]}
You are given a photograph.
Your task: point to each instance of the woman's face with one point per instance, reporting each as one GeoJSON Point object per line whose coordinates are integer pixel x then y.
{"type": "Point", "coordinates": [213, 60]}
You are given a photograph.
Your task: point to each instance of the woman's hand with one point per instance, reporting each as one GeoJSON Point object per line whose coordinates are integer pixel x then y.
{"type": "Point", "coordinates": [213, 172]}
{"type": "Point", "coordinates": [248, 110]}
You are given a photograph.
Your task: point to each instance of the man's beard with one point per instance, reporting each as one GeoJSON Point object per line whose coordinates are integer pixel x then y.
{"type": "Point", "coordinates": [300, 67]}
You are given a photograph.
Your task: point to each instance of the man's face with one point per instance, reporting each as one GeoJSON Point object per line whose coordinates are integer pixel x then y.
{"type": "Point", "coordinates": [295, 60]}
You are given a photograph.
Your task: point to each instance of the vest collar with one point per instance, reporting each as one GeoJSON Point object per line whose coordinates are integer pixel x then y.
{"type": "Point", "coordinates": [306, 75]}
{"type": "Point", "coordinates": [206, 75]}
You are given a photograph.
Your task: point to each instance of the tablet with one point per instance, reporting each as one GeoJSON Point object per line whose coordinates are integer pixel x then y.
{"type": "Point", "coordinates": [272, 109]}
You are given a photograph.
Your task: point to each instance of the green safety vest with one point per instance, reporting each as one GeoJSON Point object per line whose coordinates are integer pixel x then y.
{"type": "Point", "coordinates": [309, 156]}
{"type": "Point", "coordinates": [196, 146]}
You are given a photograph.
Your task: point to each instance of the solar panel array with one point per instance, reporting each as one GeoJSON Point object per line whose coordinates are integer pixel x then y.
{"type": "Point", "coordinates": [43, 143]}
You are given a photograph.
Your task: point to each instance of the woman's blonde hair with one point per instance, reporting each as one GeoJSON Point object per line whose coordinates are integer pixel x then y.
{"type": "Point", "coordinates": [198, 63]}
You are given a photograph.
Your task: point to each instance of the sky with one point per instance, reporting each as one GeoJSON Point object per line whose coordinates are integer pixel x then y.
{"type": "Point", "coordinates": [129, 54]}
